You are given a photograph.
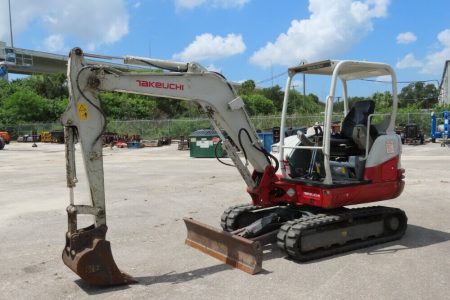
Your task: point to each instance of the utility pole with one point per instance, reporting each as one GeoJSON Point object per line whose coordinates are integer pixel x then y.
{"type": "Point", "coordinates": [271, 72]}
{"type": "Point", "coordinates": [10, 24]}
{"type": "Point", "coordinates": [304, 82]}
{"type": "Point", "coordinates": [304, 86]}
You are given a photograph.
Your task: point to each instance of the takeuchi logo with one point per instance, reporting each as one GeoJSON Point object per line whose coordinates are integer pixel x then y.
{"type": "Point", "coordinates": [160, 85]}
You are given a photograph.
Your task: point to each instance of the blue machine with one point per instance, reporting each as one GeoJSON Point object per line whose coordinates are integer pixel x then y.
{"type": "Point", "coordinates": [3, 71]}
{"type": "Point", "coordinates": [435, 132]}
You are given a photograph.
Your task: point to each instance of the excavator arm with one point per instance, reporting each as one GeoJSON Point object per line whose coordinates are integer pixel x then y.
{"type": "Point", "coordinates": [304, 214]}
{"type": "Point", "coordinates": [87, 252]}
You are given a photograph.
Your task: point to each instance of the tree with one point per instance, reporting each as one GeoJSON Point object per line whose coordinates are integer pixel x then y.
{"type": "Point", "coordinates": [25, 106]}
{"type": "Point", "coordinates": [304, 105]}
{"type": "Point", "coordinates": [275, 94]}
{"type": "Point", "coordinates": [257, 104]}
{"type": "Point", "coordinates": [247, 88]}
{"type": "Point", "coordinates": [169, 108]}
{"type": "Point", "coordinates": [418, 93]}
{"type": "Point", "coordinates": [6, 90]}
{"type": "Point", "coordinates": [50, 86]}
{"type": "Point", "coordinates": [383, 101]}
{"type": "Point", "coordinates": [120, 106]}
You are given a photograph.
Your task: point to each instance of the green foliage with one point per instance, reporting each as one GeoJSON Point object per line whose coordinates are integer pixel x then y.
{"type": "Point", "coordinates": [121, 106]}
{"type": "Point", "coordinates": [300, 104]}
{"type": "Point", "coordinates": [6, 90]}
{"type": "Point", "coordinates": [383, 101]}
{"type": "Point", "coordinates": [275, 94]}
{"type": "Point", "coordinates": [47, 86]}
{"type": "Point", "coordinates": [169, 108]}
{"type": "Point", "coordinates": [24, 105]}
{"type": "Point", "coordinates": [257, 104]}
{"type": "Point", "coordinates": [43, 98]}
{"type": "Point", "coordinates": [247, 88]}
{"type": "Point", "coordinates": [441, 107]}
{"type": "Point", "coordinates": [37, 98]}
{"type": "Point", "coordinates": [418, 93]}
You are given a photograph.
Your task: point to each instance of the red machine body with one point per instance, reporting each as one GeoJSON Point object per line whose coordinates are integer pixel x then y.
{"type": "Point", "coordinates": [381, 182]}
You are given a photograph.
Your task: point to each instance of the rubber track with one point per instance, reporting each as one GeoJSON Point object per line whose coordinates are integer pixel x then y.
{"type": "Point", "coordinates": [287, 238]}
{"type": "Point", "coordinates": [230, 215]}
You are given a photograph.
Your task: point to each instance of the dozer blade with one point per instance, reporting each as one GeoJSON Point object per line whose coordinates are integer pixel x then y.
{"type": "Point", "coordinates": [233, 250]}
{"type": "Point", "coordinates": [89, 255]}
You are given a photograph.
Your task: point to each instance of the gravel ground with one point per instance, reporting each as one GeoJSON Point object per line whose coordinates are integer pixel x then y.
{"type": "Point", "coordinates": [150, 190]}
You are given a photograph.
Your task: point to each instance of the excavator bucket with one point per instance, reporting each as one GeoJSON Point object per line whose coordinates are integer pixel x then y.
{"type": "Point", "coordinates": [89, 255]}
{"type": "Point", "coordinates": [231, 249]}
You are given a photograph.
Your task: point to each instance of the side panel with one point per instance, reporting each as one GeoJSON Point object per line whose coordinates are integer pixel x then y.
{"type": "Point", "coordinates": [349, 195]}
{"type": "Point", "coordinates": [384, 148]}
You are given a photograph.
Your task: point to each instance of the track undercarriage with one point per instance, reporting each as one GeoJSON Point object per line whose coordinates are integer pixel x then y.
{"type": "Point", "coordinates": [303, 232]}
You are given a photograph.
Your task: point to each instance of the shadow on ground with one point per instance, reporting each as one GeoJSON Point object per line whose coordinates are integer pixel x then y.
{"type": "Point", "coordinates": [415, 237]}
{"type": "Point", "coordinates": [171, 277]}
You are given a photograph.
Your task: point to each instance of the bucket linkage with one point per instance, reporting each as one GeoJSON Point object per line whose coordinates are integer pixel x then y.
{"type": "Point", "coordinates": [88, 254]}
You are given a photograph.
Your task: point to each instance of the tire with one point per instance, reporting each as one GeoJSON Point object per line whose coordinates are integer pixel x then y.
{"type": "Point", "coordinates": [433, 140]}
{"type": "Point", "coordinates": [2, 144]}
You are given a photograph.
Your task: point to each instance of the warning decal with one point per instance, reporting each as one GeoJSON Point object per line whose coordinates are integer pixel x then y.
{"type": "Point", "coordinates": [82, 111]}
{"type": "Point", "coordinates": [390, 147]}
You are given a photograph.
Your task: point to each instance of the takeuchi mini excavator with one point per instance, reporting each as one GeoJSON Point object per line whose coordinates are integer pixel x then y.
{"type": "Point", "coordinates": [298, 200]}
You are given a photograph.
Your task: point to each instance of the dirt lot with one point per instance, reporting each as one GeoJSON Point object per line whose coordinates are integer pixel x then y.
{"type": "Point", "coordinates": [150, 190]}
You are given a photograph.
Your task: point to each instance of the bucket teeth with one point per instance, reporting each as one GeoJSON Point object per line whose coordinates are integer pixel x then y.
{"type": "Point", "coordinates": [233, 250]}
{"type": "Point", "coordinates": [89, 255]}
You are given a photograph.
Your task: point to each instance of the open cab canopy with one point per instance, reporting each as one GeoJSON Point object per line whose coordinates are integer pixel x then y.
{"type": "Point", "coordinates": [342, 71]}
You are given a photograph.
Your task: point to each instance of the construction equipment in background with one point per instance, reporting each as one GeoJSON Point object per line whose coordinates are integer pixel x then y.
{"type": "Point", "coordinates": [166, 141]}
{"type": "Point", "coordinates": [5, 138]}
{"type": "Point", "coordinates": [440, 131]}
{"type": "Point", "coordinates": [46, 137]}
{"type": "Point", "coordinates": [183, 143]}
{"type": "Point", "coordinates": [112, 139]}
{"type": "Point", "coordinates": [411, 134]}
{"type": "Point", "coordinates": [56, 136]}
{"type": "Point", "coordinates": [29, 138]}
{"type": "Point", "coordinates": [303, 212]}
{"type": "Point", "coordinates": [151, 143]}
{"type": "Point", "coordinates": [163, 141]}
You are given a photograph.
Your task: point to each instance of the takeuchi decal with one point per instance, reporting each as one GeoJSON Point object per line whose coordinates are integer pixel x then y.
{"type": "Point", "coordinates": [160, 85]}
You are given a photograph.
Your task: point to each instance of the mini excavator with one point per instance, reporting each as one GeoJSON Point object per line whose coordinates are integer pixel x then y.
{"type": "Point", "coordinates": [299, 200]}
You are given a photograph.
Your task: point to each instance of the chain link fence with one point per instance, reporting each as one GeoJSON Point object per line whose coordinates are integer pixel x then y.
{"type": "Point", "coordinates": [154, 129]}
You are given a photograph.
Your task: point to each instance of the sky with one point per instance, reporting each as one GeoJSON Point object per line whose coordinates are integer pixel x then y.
{"type": "Point", "coordinates": [244, 39]}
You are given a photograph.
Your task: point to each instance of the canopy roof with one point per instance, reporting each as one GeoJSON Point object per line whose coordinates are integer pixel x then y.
{"type": "Point", "coordinates": [349, 70]}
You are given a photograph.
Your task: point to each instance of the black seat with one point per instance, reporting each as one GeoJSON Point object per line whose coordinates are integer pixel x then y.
{"type": "Point", "coordinates": [342, 143]}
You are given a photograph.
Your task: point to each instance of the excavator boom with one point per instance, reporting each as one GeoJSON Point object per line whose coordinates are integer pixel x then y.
{"type": "Point", "coordinates": [87, 252]}
{"type": "Point", "coordinates": [301, 208]}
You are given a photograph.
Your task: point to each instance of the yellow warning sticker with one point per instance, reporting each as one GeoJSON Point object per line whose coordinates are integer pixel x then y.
{"type": "Point", "coordinates": [82, 111]}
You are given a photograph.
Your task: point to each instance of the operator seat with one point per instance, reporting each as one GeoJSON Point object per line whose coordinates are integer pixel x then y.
{"type": "Point", "coordinates": [352, 138]}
